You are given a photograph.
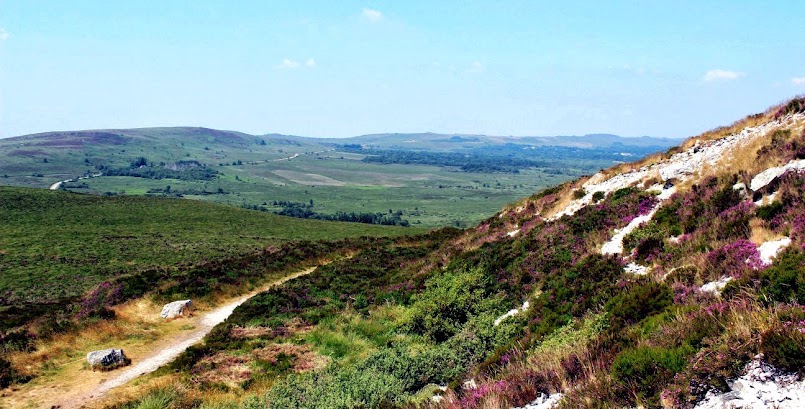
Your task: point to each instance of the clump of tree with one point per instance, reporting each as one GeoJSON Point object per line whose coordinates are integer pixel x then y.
{"type": "Point", "coordinates": [182, 170]}
{"type": "Point", "coordinates": [302, 210]}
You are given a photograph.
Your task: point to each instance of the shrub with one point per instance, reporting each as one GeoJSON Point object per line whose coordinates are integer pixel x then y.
{"type": "Point", "coordinates": [448, 302]}
{"type": "Point", "coordinates": [784, 281]}
{"type": "Point", "coordinates": [783, 345]}
{"type": "Point", "coordinates": [641, 301]}
{"type": "Point", "coordinates": [769, 211]}
{"type": "Point", "coordinates": [794, 106]}
{"type": "Point", "coordinates": [9, 375]}
{"type": "Point", "coordinates": [597, 196]}
{"type": "Point", "coordinates": [645, 370]}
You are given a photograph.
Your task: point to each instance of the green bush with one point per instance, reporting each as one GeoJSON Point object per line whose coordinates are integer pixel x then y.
{"type": "Point", "coordinates": [448, 302]}
{"type": "Point", "coordinates": [638, 302]}
{"type": "Point", "coordinates": [645, 370]}
{"type": "Point", "coordinates": [784, 281]}
{"type": "Point", "coordinates": [769, 211]}
{"type": "Point", "coordinates": [784, 344]}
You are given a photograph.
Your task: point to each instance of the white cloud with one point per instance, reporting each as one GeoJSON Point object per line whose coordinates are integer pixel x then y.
{"type": "Point", "coordinates": [722, 75]}
{"type": "Point", "coordinates": [372, 15]}
{"type": "Point", "coordinates": [3, 34]}
{"type": "Point", "coordinates": [798, 80]}
{"type": "Point", "coordinates": [477, 67]}
{"type": "Point", "coordinates": [288, 63]}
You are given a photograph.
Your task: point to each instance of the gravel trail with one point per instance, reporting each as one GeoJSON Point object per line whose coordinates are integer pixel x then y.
{"type": "Point", "coordinates": [169, 349]}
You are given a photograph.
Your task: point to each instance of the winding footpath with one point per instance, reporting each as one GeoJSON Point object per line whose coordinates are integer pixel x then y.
{"type": "Point", "coordinates": [159, 354]}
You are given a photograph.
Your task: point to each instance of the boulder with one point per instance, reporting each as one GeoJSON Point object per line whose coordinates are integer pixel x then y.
{"type": "Point", "coordinates": [175, 309]}
{"type": "Point", "coordinates": [107, 359]}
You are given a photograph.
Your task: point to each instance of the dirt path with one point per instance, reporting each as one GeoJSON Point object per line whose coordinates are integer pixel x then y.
{"type": "Point", "coordinates": [86, 387]}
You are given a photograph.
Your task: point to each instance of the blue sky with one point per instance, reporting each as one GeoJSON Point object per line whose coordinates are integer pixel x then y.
{"type": "Point", "coordinates": [343, 68]}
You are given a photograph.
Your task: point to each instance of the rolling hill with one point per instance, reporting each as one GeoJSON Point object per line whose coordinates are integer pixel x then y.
{"type": "Point", "coordinates": [285, 174]}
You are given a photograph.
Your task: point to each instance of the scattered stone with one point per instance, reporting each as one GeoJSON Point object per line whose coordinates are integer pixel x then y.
{"type": "Point", "coordinates": [544, 401]}
{"type": "Point", "coordinates": [512, 313]}
{"type": "Point", "coordinates": [635, 268]}
{"type": "Point", "coordinates": [107, 359]}
{"type": "Point", "coordinates": [767, 176]}
{"type": "Point", "coordinates": [770, 249]}
{"type": "Point", "coordinates": [715, 287]}
{"type": "Point", "coordinates": [176, 309]}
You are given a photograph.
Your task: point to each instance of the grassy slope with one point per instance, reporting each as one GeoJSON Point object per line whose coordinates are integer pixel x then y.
{"type": "Point", "coordinates": [57, 244]}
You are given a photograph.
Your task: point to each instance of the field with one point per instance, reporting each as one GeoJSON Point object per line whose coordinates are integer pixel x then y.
{"type": "Point", "coordinates": [256, 171]}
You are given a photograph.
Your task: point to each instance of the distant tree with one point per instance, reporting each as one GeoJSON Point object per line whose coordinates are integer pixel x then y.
{"type": "Point", "coordinates": [141, 161]}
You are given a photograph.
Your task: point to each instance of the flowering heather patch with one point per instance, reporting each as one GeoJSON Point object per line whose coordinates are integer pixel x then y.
{"type": "Point", "coordinates": [734, 259]}
{"type": "Point", "coordinates": [100, 299]}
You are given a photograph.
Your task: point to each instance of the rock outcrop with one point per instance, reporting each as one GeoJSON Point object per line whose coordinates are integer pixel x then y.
{"type": "Point", "coordinates": [107, 359]}
{"type": "Point", "coordinates": [761, 386]}
{"type": "Point", "coordinates": [176, 309]}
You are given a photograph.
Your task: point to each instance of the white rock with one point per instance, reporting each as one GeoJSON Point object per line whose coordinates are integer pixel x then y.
{"type": "Point", "coordinates": [513, 233]}
{"type": "Point", "coordinates": [715, 287]}
{"type": "Point", "coordinates": [761, 386]}
{"type": "Point", "coordinates": [175, 309]}
{"type": "Point", "coordinates": [767, 176]}
{"type": "Point", "coordinates": [615, 244]}
{"type": "Point", "coordinates": [544, 401]}
{"type": "Point", "coordinates": [679, 166]}
{"type": "Point", "coordinates": [107, 359]}
{"type": "Point", "coordinates": [770, 249]}
{"type": "Point", "coordinates": [511, 313]}
{"type": "Point", "coordinates": [635, 268]}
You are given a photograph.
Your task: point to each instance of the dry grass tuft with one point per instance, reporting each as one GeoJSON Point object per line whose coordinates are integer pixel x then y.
{"type": "Point", "coordinates": [305, 358]}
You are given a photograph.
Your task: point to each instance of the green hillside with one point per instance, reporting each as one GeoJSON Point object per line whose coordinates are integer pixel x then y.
{"type": "Point", "coordinates": [55, 246]}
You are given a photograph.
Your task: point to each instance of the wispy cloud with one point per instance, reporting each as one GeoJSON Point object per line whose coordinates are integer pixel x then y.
{"type": "Point", "coordinates": [3, 34]}
{"type": "Point", "coordinates": [477, 67]}
{"type": "Point", "coordinates": [722, 75]}
{"type": "Point", "coordinates": [372, 15]}
{"type": "Point", "coordinates": [798, 80]}
{"type": "Point", "coordinates": [289, 64]}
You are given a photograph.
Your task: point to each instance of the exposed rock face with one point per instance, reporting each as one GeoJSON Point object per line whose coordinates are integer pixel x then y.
{"type": "Point", "coordinates": [107, 359]}
{"type": "Point", "coordinates": [176, 309]}
{"type": "Point", "coordinates": [762, 386]}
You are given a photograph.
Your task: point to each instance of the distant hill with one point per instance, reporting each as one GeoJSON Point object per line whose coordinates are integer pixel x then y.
{"type": "Point", "coordinates": [423, 179]}
{"type": "Point", "coordinates": [452, 142]}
